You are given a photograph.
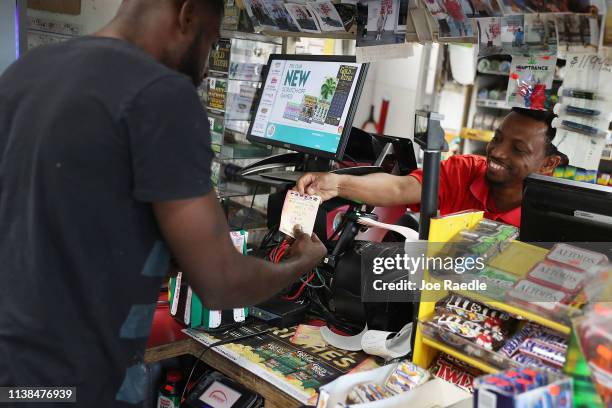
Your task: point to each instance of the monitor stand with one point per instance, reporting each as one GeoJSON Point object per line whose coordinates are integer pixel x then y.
{"type": "Point", "coordinates": [375, 149]}
{"type": "Point", "coordinates": [289, 176]}
{"type": "Point", "coordinates": [300, 161]}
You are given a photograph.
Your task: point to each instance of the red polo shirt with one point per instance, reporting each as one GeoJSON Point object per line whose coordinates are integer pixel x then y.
{"type": "Point", "coordinates": [463, 187]}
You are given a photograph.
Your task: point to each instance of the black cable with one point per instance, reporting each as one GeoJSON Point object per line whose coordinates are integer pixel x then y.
{"type": "Point", "coordinates": [317, 308]}
{"type": "Point", "coordinates": [216, 344]}
{"type": "Point", "coordinates": [269, 235]}
{"type": "Point", "coordinates": [340, 228]}
{"type": "Point", "coordinates": [250, 212]}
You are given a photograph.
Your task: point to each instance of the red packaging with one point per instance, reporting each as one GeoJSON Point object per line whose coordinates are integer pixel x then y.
{"type": "Point", "coordinates": [447, 371]}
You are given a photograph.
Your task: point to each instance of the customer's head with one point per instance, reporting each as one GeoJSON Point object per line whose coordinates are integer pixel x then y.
{"type": "Point", "coordinates": [179, 33]}
{"type": "Point", "coordinates": [522, 145]}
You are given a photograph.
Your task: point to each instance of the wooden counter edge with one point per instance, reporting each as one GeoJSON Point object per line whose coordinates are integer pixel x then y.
{"type": "Point", "coordinates": [274, 397]}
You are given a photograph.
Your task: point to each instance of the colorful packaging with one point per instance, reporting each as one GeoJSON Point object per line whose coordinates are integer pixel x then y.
{"type": "Point", "coordinates": [512, 345]}
{"type": "Point", "coordinates": [529, 360]}
{"type": "Point", "coordinates": [543, 351]}
{"type": "Point", "coordinates": [528, 292]}
{"type": "Point", "coordinates": [559, 172]}
{"type": "Point", "coordinates": [554, 339]}
{"type": "Point", "coordinates": [515, 381]}
{"type": "Point", "coordinates": [498, 282]}
{"type": "Point", "coordinates": [570, 172]}
{"type": "Point", "coordinates": [490, 339]}
{"type": "Point", "coordinates": [557, 276]}
{"type": "Point", "coordinates": [603, 179]}
{"type": "Point", "coordinates": [406, 377]}
{"type": "Point", "coordinates": [530, 78]}
{"type": "Point", "coordinates": [575, 257]}
{"type": "Point", "coordinates": [485, 241]}
{"type": "Point", "coordinates": [447, 370]}
{"type": "Point", "coordinates": [366, 392]}
{"type": "Point", "coordinates": [473, 311]}
{"type": "Point", "coordinates": [591, 176]}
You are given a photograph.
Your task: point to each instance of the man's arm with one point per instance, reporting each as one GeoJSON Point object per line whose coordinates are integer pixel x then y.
{"type": "Point", "coordinates": [198, 236]}
{"type": "Point", "coordinates": [379, 189]}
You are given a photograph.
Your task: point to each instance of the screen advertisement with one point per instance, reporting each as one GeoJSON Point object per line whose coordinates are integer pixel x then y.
{"type": "Point", "coordinates": [306, 103]}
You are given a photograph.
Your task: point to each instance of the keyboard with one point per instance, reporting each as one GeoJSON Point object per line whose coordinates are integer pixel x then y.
{"type": "Point", "coordinates": [283, 175]}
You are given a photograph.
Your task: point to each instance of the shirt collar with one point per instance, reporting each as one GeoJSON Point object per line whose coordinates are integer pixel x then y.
{"type": "Point", "coordinates": [480, 191]}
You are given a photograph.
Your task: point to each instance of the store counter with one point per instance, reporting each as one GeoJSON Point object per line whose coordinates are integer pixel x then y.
{"type": "Point", "coordinates": [274, 397]}
{"type": "Point", "coordinates": [285, 374]}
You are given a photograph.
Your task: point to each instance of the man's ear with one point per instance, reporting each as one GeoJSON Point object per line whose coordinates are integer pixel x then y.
{"type": "Point", "coordinates": [549, 165]}
{"type": "Point", "coordinates": [187, 16]}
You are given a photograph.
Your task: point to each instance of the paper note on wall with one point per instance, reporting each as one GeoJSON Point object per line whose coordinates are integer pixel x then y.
{"type": "Point", "coordinates": [299, 209]}
{"type": "Point", "coordinates": [583, 151]}
{"type": "Point", "coordinates": [589, 73]}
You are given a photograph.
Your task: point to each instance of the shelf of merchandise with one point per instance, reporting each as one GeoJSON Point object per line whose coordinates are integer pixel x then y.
{"type": "Point", "coordinates": [520, 255]}
{"type": "Point", "coordinates": [334, 35]}
{"type": "Point", "coordinates": [460, 356]}
{"type": "Point", "coordinates": [502, 73]}
{"type": "Point", "coordinates": [231, 190]}
{"type": "Point", "coordinates": [479, 135]}
{"type": "Point", "coordinates": [242, 35]}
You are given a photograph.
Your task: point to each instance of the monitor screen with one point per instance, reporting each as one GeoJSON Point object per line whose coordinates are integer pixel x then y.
{"type": "Point", "coordinates": [558, 210]}
{"type": "Point", "coordinates": [307, 103]}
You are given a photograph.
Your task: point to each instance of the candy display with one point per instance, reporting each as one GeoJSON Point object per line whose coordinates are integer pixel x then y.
{"type": "Point", "coordinates": [472, 321]}
{"type": "Point", "coordinates": [367, 392]}
{"type": "Point", "coordinates": [525, 387]}
{"type": "Point", "coordinates": [513, 344]}
{"type": "Point", "coordinates": [498, 282]}
{"type": "Point", "coordinates": [550, 288]}
{"type": "Point", "coordinates": [527, 360]}
{"type": "Point", "coordinates": [406, 377]}
{"type": "Point", "coordinates": [489, 238]}
{"type": "Point", "coordinates": [548, 353]}
{"type": "Point", "coordinates": [575, 257]}
{"type": "Point", "coordinates": [557, 276]}
{"type": "Point", "coordinates": [554, 339]}
{"type": "Point", "coordinates": [449, 369]}
{"type": "Point", "coordinates": [489, 339]}
{"type": "Point", "coordinates": [460, 321]}
{"type": "Point", "coordinates": [474, 311]}
{"type": "Point", "coordinates": [536, 346]}
{"type": "Point", "coordinates": [536, 295]}
{"type": "Point", "coordinates": [483, 242]}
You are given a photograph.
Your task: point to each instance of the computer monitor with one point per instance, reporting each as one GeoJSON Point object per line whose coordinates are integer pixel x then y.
{"type": "Point", "coordinates": [307, 103]}
{"type": "Point", "coordinates": [558, 210]}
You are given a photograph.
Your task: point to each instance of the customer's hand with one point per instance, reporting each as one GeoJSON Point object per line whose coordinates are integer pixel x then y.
{"type": "Point", "coordinates": [324, 185]}
{"type": "Point", "coordinates": [307, 250]}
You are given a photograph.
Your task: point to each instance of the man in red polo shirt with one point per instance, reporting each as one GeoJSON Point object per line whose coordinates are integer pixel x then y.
{"type": "Point", "coordinates": [493, 184]}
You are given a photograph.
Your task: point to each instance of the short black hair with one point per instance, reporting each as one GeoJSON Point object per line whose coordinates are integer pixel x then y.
{"type": "Point", "coordinates": [214, 6]}
{"type": "Point", "coordinates": [547, 118]}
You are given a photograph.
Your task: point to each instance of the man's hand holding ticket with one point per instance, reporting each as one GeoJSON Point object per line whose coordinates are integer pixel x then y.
{"type": "Point", "coordinates": [299, 209]}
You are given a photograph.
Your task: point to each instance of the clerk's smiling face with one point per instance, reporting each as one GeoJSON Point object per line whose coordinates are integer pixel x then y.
{"type": "Point", "coordinates": [518, 149]}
